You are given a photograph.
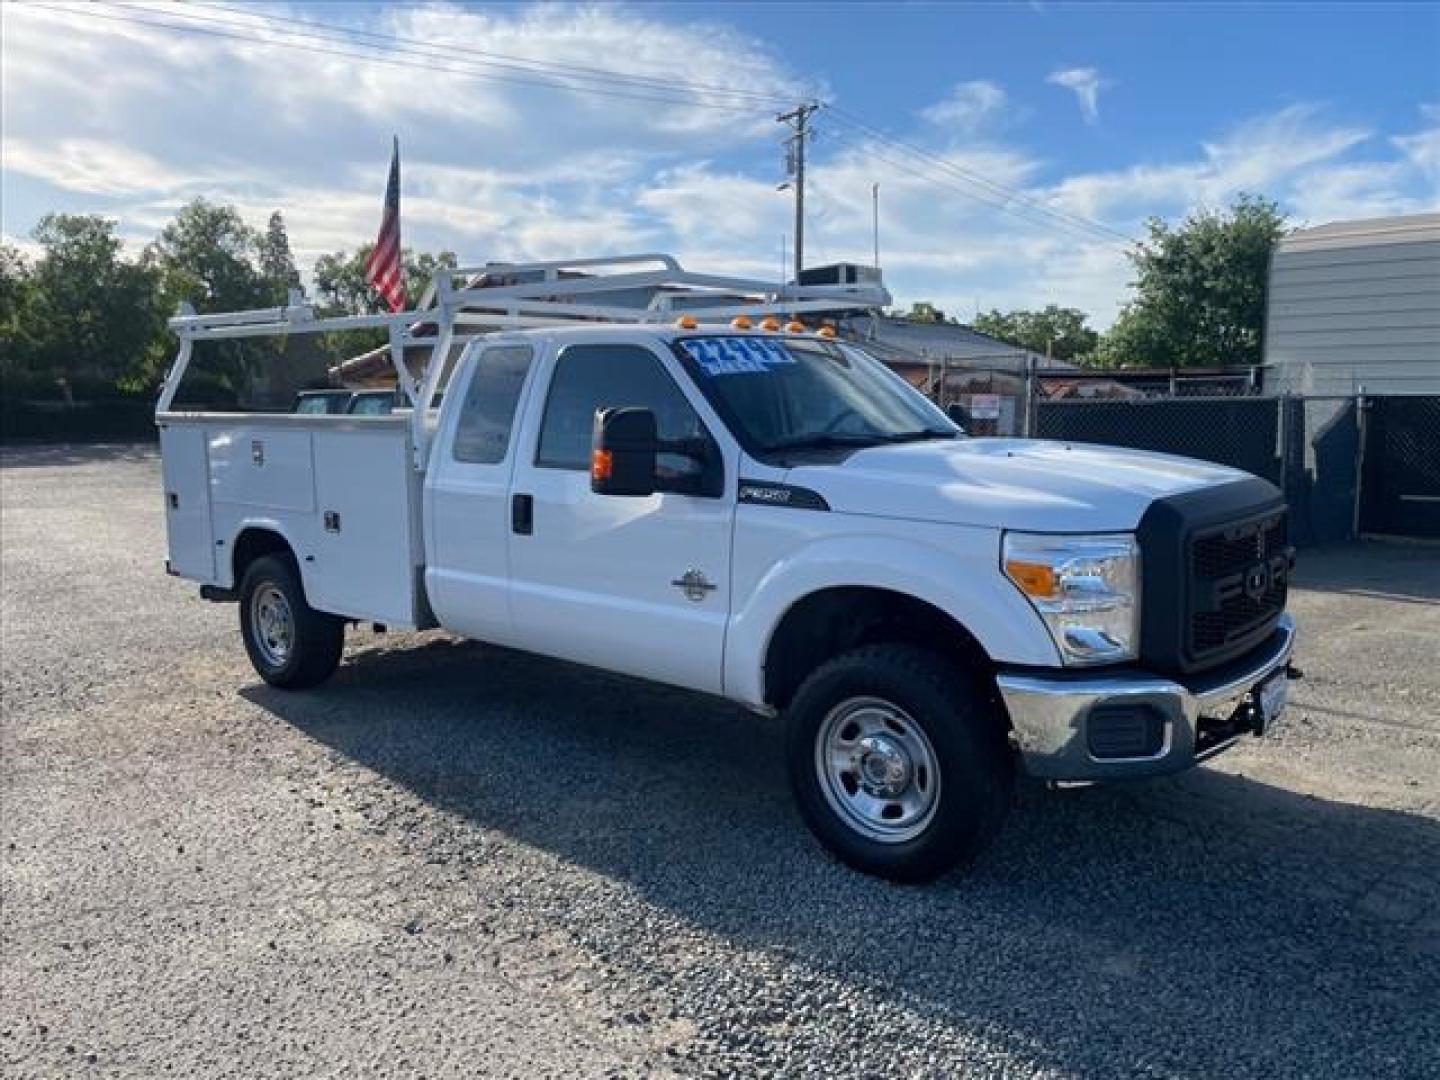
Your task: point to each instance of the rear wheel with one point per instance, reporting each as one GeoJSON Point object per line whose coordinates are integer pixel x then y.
{"type": "Point", "coordinates": [898, 761]}
{"type": "Point", "coordinates": [291, 645]}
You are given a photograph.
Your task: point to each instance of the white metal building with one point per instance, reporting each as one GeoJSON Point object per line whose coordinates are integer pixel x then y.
{"type": "Point", "coordinates": [1356, 304]}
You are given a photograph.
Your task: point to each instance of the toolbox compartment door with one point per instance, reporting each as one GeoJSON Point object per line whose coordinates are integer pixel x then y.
{"type": "Point", "coordinates": [186, 473]}
{"type": "Point", "coordinates": [366, 549]}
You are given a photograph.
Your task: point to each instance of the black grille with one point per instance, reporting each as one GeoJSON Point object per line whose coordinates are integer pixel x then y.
{"type": "Point", "coordinates": [1241, 577]}
{"type": "Point", "coordinates": [1196, 548]}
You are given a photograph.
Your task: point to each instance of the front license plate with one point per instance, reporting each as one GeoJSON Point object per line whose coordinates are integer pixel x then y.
{"type": "Point", "coordinates": [1271, 696]}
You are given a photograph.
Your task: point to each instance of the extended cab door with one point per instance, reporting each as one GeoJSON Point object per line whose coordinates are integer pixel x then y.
{"type": "Point", "coordinates": [638, 585]}
{"type": "Point", "coordinates": [467, 504]}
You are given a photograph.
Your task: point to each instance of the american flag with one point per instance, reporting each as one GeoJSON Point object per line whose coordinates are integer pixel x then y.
{"type": "Point", "coordinates": [383, 268]}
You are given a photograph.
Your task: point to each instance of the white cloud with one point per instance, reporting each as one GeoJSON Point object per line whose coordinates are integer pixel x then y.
{"type": "Point", "coordinates": [1422, 148]}
{"type": "Point", "coordinates": [29, 249]}
{"type": "Point", "coordinates": [130, 120]}
{"type": "Point", "coordinates": [1349, 191]}
{"type": "Point", "coordinates": [133, 122]}
{"type": "Point", "coordinates": [1086, 84]}
{"type": "Point", "coordinates": [969, 107]}
{"type": "Point", "coordinates": [90, 166]}
{"type": "Point", "coordinates": [1262, 155]}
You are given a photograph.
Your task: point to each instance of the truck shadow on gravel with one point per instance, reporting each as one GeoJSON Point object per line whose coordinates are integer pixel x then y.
{"type": "Point", "coordinates": [1203, 925]}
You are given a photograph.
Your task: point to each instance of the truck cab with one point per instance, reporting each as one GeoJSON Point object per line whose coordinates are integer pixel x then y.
{"type": "Point", "coordinates": [767, 513]}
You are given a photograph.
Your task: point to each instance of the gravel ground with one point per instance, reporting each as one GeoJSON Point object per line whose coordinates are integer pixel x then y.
{"type": "Point", "coordinates": [458, 861]}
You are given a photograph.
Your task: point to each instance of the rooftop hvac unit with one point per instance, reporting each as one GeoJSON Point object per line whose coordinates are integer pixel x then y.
{"type": "Point", "coordinates": [841, 274]}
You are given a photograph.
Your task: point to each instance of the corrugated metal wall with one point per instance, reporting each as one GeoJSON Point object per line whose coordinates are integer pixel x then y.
{"type": "Point", "coordinates": [1356, 304]}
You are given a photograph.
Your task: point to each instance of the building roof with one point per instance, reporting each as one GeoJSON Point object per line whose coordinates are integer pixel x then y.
{"type": "Point", "coordinates": [925, 342]}
{"type": "Point", "coordinates": [1370, 232]}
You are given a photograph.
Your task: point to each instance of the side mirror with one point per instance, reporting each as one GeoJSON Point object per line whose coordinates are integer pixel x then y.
{"type": "Point", "coordinates": [622, 452]}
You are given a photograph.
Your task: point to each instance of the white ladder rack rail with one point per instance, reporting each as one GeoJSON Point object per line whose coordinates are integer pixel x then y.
{"type": "Point", "coordinates": [461, 298]}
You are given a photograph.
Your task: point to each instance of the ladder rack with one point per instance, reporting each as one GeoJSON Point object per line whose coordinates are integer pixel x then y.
{"type": "Point", "coordinates": [648, 288]}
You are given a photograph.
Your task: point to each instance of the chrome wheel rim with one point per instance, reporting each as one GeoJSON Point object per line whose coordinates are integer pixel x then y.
{"type": "Point", "coordinates": [877, 769]}
{"type": "Point", "coordinates": [272, 625]}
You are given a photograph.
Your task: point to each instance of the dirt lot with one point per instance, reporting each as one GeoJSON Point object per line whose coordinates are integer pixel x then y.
{"type": "Point", "coordinates": [456, 861]}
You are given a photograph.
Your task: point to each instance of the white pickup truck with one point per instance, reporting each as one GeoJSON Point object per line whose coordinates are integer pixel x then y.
{"type": "Point", "coordinates": [761, 513]}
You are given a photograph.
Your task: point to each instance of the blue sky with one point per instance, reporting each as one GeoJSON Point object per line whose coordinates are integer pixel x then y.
{"type": "Point", "coordinates": [1106, 113]}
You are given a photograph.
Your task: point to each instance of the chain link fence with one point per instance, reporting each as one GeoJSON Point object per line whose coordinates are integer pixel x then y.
{"type": "Point", "coordinates": [987, 397]}
{"type": "Point", "coordinates": [1240, 432]}
{"type": "Point", "coordinates": [1348, 465]}
{"type": "Point", "coordinates": [1400, 466]}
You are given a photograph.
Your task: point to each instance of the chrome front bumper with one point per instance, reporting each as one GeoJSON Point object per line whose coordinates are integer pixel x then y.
{"type": "Point", "coordinates": [1050, 712]}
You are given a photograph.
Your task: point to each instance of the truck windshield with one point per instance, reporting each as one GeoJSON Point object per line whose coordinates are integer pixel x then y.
{"type": "Point", "coordinates": [800, 393]}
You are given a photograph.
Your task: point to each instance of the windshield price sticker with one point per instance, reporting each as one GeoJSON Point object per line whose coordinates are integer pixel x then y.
{"type": "Point", "coordinates": [736, 355]}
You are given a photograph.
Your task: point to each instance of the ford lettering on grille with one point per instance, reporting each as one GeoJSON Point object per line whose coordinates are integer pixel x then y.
{"type": "Point", "coordinates": [1240, 577]}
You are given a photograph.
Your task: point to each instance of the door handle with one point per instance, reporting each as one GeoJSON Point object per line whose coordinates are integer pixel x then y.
{"type": "Point", "coordinates": [522, 513]}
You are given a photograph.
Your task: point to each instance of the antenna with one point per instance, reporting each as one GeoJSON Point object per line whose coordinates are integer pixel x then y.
{"type": "Point", "coordinates": [875, 218]}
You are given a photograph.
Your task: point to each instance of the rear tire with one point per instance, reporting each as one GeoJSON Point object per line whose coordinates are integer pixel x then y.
{"type": "Point", "coordinates": [291, 645]}
{"type": "Point", "coordinates": [899, 761]}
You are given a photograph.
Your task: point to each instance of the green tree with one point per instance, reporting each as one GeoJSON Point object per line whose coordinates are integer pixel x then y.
{"type": "Point", "coordinates": [1199, 290]}
{"type": "Point", "coordinates": [926, 312]}
{"type": "Point", "coordinates": [277, 262]}
{"type": "Point", "coordinates": [341, 289]}
{"type": "Point", "coordinates": [209, 257]}
{"type": "Point", "coordinates": [1053, 331]}
{"type": "Point", "coordinates": [16, 294]}
{"type": "Point", "coordinates": [90, 316]}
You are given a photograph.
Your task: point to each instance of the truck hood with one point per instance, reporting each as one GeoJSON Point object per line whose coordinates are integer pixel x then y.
{"type": "Point", "coordinates": [1007, 483]}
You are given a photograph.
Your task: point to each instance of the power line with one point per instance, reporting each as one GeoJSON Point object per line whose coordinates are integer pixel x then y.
{"type": "Point", "coordinates": [998, 202]}
{"type": "Point", "coordinates": [504, 60]}
{"type": "Point", "coordinates": [458, 66]}
{"type": "Point", "coordinates": [1000, 190]}
{"type": "Point", "coordinates": [576, 79]}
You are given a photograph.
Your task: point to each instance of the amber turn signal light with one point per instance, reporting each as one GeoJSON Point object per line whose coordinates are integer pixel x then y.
{"type": "Point", "coordinates": [602, 464]}
{"type": "Point", "coordinates": [1035, 579]}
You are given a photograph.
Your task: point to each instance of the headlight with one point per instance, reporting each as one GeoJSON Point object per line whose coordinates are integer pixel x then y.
{"type": "Point", "coordinates": [1086, 588]}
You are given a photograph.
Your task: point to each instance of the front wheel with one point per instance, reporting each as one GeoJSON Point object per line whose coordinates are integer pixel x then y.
{"type": "Point", "coordinates": [898, 761]}
{"type": "Point", "coordinates": [291, 645]}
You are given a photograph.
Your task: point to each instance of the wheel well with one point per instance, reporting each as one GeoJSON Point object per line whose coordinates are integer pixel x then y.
{"type": "Point", "coordinates": [252, 544]}
{"type": "Point", "coordinates": [832, 621]}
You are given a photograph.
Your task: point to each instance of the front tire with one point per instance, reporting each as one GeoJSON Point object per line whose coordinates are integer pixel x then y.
{"type": "Point", "coordinates": [898, 761]}
{"type": "Point", "coordinates": [291, 645]}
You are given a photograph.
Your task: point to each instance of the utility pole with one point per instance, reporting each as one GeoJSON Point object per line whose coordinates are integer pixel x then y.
{"type": "Point", "coordinates": [799, 119]}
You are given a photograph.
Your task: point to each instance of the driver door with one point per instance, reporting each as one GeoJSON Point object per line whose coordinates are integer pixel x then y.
{"type": "Point", "coordinates": [637, 585]}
